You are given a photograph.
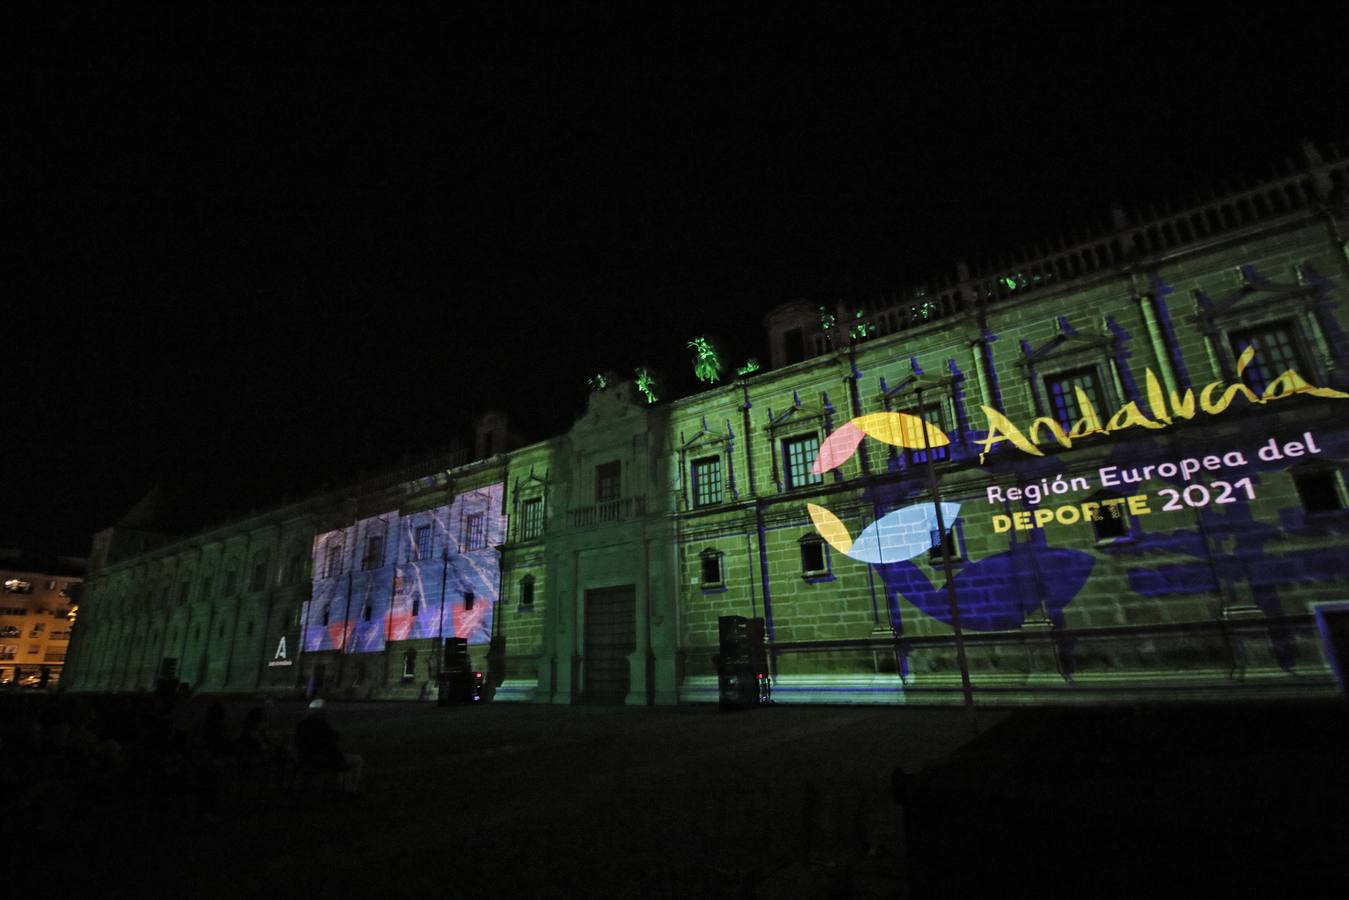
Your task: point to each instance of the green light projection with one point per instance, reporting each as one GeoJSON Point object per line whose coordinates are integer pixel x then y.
{"type": "Point", "coordinates": [751, 365]}
{"type": "Point", "coordinates": [646, 385]}
{"type": "Point", "coordinates": [861, 329]}
{"type": "Point", "coordinates": [597, 382]}
{"type": "Point", "coordinates": [706, 360]}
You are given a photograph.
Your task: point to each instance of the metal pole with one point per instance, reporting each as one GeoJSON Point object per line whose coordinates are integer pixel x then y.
{"type": "Point", "coordinates": [965, 688]}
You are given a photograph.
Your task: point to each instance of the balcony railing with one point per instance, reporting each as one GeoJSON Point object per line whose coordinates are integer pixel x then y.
{"type": "Point", "coordinates": [608, 511]}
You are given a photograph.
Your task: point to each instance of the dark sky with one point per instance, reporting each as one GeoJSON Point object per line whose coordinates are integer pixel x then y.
{"type": "Point", "coordinates": [256, 253]}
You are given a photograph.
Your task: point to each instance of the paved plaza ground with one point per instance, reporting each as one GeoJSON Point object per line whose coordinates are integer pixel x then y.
{"type": "Point", "coordinates": [521, 801]}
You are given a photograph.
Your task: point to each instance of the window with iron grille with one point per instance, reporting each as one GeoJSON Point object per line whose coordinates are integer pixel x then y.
{"type": "Point", "coordinates": [1111, 520]}
{"type": "Point", "coordinates": [259, 579]}
{"type": "Point", "coordinates": [332, 564]}
{"type": "Point", "coordinates": [1319, 490]}
{"type": "Point", "coordinates": [932, 414]}
{"type": "Point", "coordinates": [475, 531]}
{"type": "Point", "coordinates": [814, 560]}
{"type": "Point", "coordinates": [608, 482]}
{"type": "Point", "coordinates": [531, 518]}
{"type": "Point", "coordinates": [707, 481]}
{"type": "Point", "coordinates": [711, 570]}
{"type": "Point", "coordinates": [374, 552]}
{"type": "Point", "coordinates": [1064, 406]}
{"type": "Point", "coordinates": [798, 456]}
{"type": "Point", "coordinates": [944, 547]}
{"type": "Point", "coordinates": [1275, 353]}
{"type": "Point", "coordinates": [421, 543]}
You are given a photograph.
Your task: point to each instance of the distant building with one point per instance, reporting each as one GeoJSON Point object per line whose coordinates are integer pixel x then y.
{"type": "Point", "coordinates": [39, 599]}
{"type": "Point", "coordinates": [1137, 434]}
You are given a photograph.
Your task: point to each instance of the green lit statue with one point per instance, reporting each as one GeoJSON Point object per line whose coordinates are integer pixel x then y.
{"type": "Point", "coordinates": [646, 385]}
{"type": "Point", "coordinates": [861, 329]}
{"type": "Point", "coordinates": [706, 361]}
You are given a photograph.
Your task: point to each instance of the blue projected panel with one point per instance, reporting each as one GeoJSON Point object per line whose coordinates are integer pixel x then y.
{"type": "Point", "coordinates": [431, 574]}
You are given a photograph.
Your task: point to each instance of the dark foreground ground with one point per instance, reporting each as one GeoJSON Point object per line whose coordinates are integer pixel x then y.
{"type": "Point", "coordinates": [524, 801]}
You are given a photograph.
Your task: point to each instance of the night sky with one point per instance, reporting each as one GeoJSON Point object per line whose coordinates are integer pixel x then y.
{"type": "Point", "coordinates": [251, 255]}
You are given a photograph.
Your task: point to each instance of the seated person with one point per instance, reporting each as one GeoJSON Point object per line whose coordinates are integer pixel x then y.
{"type": "Point", "coordinates": [317, 744]}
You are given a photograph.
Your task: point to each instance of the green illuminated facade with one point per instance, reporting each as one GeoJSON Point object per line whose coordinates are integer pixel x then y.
{"type": "Point", "coordinates": [630, 534]}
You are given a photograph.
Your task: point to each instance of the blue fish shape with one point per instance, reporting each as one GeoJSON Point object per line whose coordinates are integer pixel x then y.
{"type": "Point", "coordinates": [902, 534]}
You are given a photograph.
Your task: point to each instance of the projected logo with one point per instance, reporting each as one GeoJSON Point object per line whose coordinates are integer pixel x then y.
{"type": "Point", "coordinates": [904, 533]}
{"type": "Point", "coordinates": [992, 593]}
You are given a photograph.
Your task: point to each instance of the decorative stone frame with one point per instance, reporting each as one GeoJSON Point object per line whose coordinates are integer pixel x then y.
{"type": "Point", "coordinates": [1070, 351]}
{"type": "Point", "coordinates": [1257, 302]}
{"type": "Point", "coordinates": [530, 488]}
{"type": "Point", "coordinates": [706, 443]}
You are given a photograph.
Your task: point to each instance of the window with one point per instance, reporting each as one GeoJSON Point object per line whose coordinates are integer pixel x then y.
{"type": "Point", "coordinates": [931, 413]}
{"type": "Point", "coordinates": [205, 587]}
{"type": "Point", "coordinates": [248, 629]}
{"type": "Point", "coordinates": [1111, 521]}
{"type": "Point", "coordinates": [798, 456]}
{"type": "Point", "coordinates": [34, 649]}
{"type": "Point", "coordinates": [327, 613]}
{"type": "Point", "coordinates": [295, 569]}
{"type": "Point", "coordinates": [183, 590]}
{"type": "Point", "coordinates": [421, 543]}
{"type": "Point", "coordinates": [38, 628]}
{"type": "Point", "coordinates": [793, 346]}
{"type": "Point", "coordinates": [531, 516]}
{"type": "Point", "coordinates": [374, 552]}
{"type": "Point", "coordinates": [68, 589]}
{"type": "Point", "coordinates": [710, 568]}
{"type": "Point", "coordinates": [814, 560]}
{"type": "Point", "coordinates": [475, 533]}
{"type": "Point", "coordinates": [410, 664]}
{"type": "Point", "coordinates": [1275, 353]}
{"type": "Point", "coordinates": [1062, 392]}
{"type": "Point", "coordinates": [944, 549]}
{"type": "Point", "coordinates": [1319, 490]}
{"type": "Point", "coordinates": [366, 612]}
{"type": "Point", "coordinates": [8, 651]}
{"type": "Point", "coordinates": [608, 482]}
{"type": "Point", "coordinates": [527, 591]}
{"type": "Point", "coordinates": [468, 600]}
{"type": "Point", "coordinates": [259, 579]}
{"type": "Point", "coordinates": [18, 586]}
{"type": "Point", "coordinates": [231, 582]}
{"type": "Point", "coordinates": [13, 611]}
{"type": "Point", "coordinates": [707, 481]}
{"type": "Point", "coordinates": [332, 565]}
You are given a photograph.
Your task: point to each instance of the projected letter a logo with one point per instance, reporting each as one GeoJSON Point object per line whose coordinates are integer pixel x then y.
{"type": "Point", "coordinates": [281, 649]}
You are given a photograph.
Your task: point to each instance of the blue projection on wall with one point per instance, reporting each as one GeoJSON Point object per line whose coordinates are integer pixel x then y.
{"type": "Point", "coordinates": [394, 577]}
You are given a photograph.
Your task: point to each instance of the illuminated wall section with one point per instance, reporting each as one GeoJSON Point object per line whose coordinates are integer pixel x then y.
{"type": "Point", "coordinates": [431, 574]}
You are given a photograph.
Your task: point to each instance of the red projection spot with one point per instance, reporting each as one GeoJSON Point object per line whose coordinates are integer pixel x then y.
{"type": "Point", "coordinates": [335, 634]}
{"type": "Point", "coordinates": [838, 448]}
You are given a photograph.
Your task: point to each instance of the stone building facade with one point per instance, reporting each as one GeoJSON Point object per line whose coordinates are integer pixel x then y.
{"type": "Point", "coordinates": [1130, 484]}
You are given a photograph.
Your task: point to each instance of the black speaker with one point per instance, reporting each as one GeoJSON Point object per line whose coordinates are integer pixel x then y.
{"type": "Point", "coordinates": [456, 655]}
{"type": "Point", "coordinates": [742, 665]}
{"type": "Point", "coordinates": [737, 685]}
{"type": "Point", "coordinates": [458, 686]}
